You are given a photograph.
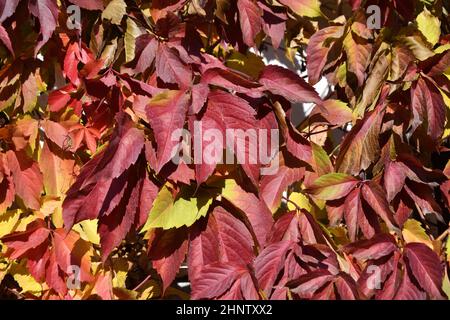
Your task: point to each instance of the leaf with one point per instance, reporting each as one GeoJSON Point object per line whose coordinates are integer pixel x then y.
{"type": "Point", "coordinates": [318, 50]}
{"type": "Point", "coordinates": [114, 11]}
{"type": "Point", "coordinates": [183, 210]}
{"type": "Point", "coordinates": [229, 80]}
{"type": "Point", "coordinates": [7, 189]}
{"type": "Point", "coordinates": [256, 211]}
{"type": "Point", "coordinates": [214, 280]}
{"type": "Point", "coordinates": [21, 244]}
{"type": "Point", "coordinates": [428, 108]}
{"type": "Point", "coordinates": [222, 239]}
{"type": "Point", "coordinates": [322, 163]}
{"type": "Point", "coordinates": [57, 168]}
{"type": "Point", "coordinates": [376, 198]}
{"type": "Point", "coordinates": [25, 280]}
{"type": "Point", "coordinates": [307, 8]}
{"type": "Point", "coordinates": [430, 26]}
{"type": "Point", "coordinates": [358, 54]}
{"type": "Point", "coordinates": [89, 4]}
{"type": "Point", "coordinates": [378, 72]}
{"type": "Point", "coordinates": [46, 11]}
{"type": "Point", "coordinates": [7, 9]}
{"type": "Point", "coordinates": [130, 39]}
{"type": "Point", "coordinates": [166, 113]}
{"type": "Point", "coordinates": [8, 221]}
{"type": "Point", "coordinates": [418, 45]}
{"type": "Point", "coordinates": [273, 186]}
{"type": "Point", "coordinates": [269, 264]}
{"type": "Point", "coordinates": [378, 247]}
{"type": "Point", "coordinates": [334, 111]}
{"type": "Point", "coordinates": [249, 19]}
{"type": "Point", "coordinates": [167, 251]}
{"type": "Point", "coordinates": [332, 186]}
{"type": "Point", "coordinates": [413, 232]}
{"type": "Point", "coordinates": [274, 23]}
{"type": "Point", "coordinates": [226, 112]}
{"type": "Point", "coordinates": [361, 147]}
{"type": "Point", "coordinates": [426, 268]}
{"type": "Point", "coordinates": [27, 178]}
{"type": "Point", "coordinates": [170, 68]}
{"type": "Point", "coordinates": [286, 83]}
{"type": "Point", "coordinates": [146, 47]}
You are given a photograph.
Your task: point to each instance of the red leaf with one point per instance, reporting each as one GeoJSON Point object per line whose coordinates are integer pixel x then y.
{"type": "Point", "coordinates": [378, 247]}
{"type": "Point", "coordinates": [7, 191]}
{"type": "Point", "coordinates": [230, 80]}
{"type": "Point", "coordinates": [254, 209]}
{"type": "Point", "coordinates": [20, 244]}
{"type": "Point", "coordinates": [170, 69]}
{"type": "Point", "coordinates": [224, 239]}
{"type": "Point", "coordinates": [167, 113]}
{"type": "Point", "coordinates": [167, 251]}
{"type": "Point", "coordinates": [426, 268]}
{"type": "Point", "coordinates": [273, 23]}
{"type": "Point", "coordinates": [249, 18]}
{"type": "Point", "coordinates": [307, 285]}
{"type": "Point", "coordinates": [269, 264]}
{"type": "Point", "coordinates": [428, 108]}
{"type": "Point", "coordinates": [352, 210]}
{"type": "Point", "coordinates": [317, 51]}
{"type": "Point", "coordinates": [376, 198]}
{"type": "Point", "coordinates": [146, 47]}
{"type": "Point", "coordinates": [286, 83]}
{"type": "Point", "coordinates": [225, 111]}
{"type": "Point", "coordinates": [46, 11]}
{"type": "Point", "coordinates": [89, 4]}
{"type": "Point", "coordinates": [273, 186]}
{"type": "Point", "coordinates": [214, 279]}
{"type": "Point", "coordinates": [27, 178]}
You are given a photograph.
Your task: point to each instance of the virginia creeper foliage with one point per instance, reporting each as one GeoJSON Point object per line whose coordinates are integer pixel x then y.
{"type": "Point", "coordinates": [92, 205]}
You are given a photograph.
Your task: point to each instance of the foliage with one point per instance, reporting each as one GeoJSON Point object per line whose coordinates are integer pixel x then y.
{"type": "Point", "coordinates": [86, 177]}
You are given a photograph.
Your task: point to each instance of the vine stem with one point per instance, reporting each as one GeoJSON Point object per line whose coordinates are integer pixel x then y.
{"type": "Point", "coordinates": [443, 235]}
{"type": "Point", "coordinates": [142, 282]}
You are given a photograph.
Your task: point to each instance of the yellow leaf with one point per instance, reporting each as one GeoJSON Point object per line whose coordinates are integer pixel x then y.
{"type": "Point", "coordinates": [115, 11]}
{"type": "Point", "coordinates": [300, 200]}
{"type": "Point", "coordinates": [442, 48]}
{"type": "Point", "coordinates": [24, 279]}
{"type": "Point", "coordinates": [184, 210]}
{"type": "Point", "coordinates": [4, 266]}
{"type": "Point", "coordinates": [130, 39]}
{"type": "Point", "coordinates": [446, 284]}
{"type": "Point", "coordinates": [120, 267]}
{"type": "Point", "coordinates": [430, 26]}
{"type": "Point", "coordinates": [413, 232]}
{"type": "Point", "coordinates": [447, 251]}
{"type": "Point", "coordinates": [149, 290]}
{"type": "Point", "coordinates": [250, 63]}
{"type": "Point", "coordinates": [8, 222]}
{"type": "Point", "coordinates": [88, 230]}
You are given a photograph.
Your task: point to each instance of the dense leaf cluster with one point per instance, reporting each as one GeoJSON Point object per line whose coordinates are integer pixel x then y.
{"type": "Point", "coordinates": [92, 204]}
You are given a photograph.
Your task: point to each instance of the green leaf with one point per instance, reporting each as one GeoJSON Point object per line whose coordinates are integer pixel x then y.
{"type": "Point", "coordinates": [322, 164]}
{"type": "Point", "coordinates": [430, 26]}
{"type": "Point", "coordinates": [333, 186]}
{"type": "Point", "coordinates": [184, 210]}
